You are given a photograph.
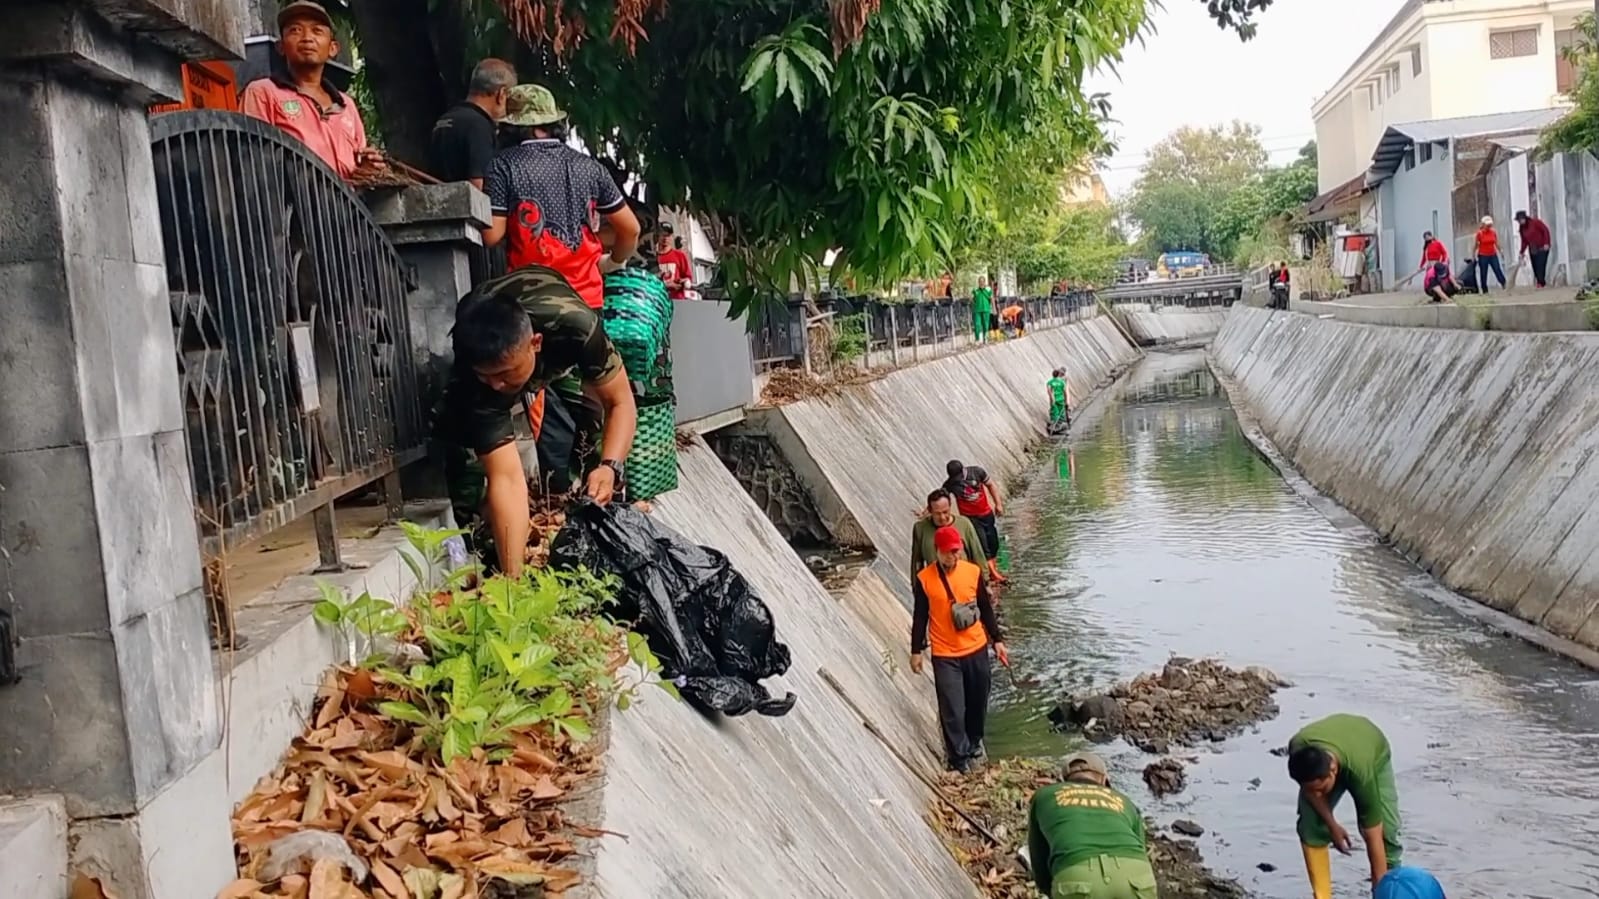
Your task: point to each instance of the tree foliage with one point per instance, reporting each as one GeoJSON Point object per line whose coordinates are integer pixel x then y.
{"type": "Point", "coordinates": [808, 125]}
{"type": "Point", "coordinates": [1579, 128]}
{"type": "Point", "coordinates": [1206, 189]}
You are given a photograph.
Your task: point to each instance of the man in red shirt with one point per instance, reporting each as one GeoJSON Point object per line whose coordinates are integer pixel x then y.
{"type": "Point", "coordinates": [676, 269]}
{"type": "Point", "coordinates": [547, 199]}
{"type": "Point", "coordinates": [304, 104]}
{"type": "Point", "coordinates": [1535, 243]}
{"type": "Point", "coordinates": [977, 499]}
{"type": "Point", "coordinates": [1488, 255]}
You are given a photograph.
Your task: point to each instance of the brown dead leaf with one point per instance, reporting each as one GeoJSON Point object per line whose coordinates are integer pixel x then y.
{"type": "Point", "coordinates": [545, 788]}
{"type": "Point", "coordinates": [511, 871]}
{"type": "Point", "coordinates": [512, 833]}
{"type": "Point", "coordinates": [392, 882]}
{"type": "Point", "coordinates": [243, 888]}
{"type": "Point", "coordinates": [327, 881]}
{"type": "Point", "coordinates": [392, 764]}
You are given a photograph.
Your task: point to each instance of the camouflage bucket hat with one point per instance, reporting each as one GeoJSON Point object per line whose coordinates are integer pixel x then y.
{"type": "Point", "coordinates": [529, 105]}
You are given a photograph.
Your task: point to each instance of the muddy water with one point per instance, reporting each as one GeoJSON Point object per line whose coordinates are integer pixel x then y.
{"type": "Point", "coordinates": [1162, 532]}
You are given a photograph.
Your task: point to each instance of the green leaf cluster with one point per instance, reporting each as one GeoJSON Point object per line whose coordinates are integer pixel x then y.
{"type": "Point", "coordinates": [500, 655]}
{"type": "Point", "coordinates": [1210, 190]}
{"type": "Point", "coordinates": [1578, 129]}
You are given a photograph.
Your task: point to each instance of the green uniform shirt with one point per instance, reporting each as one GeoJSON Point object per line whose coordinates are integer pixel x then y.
{"type": "Point", "coordinates": [982, 300]}
{"type": "Point", "coordinates": [1363, 760]}
{"type": "Point", "coordinates": [574, 343]}
{"type": "Point", "coordinates": [924, 552]}
{"type": "Point", "coordinates": [1057, 390]}
{"type": "Point", "coordinates": [1070, 823]}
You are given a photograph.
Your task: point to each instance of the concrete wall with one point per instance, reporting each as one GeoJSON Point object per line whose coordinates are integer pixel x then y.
{"type": "Point", "coordinates": [712, 369]}
{"type": "Point", "coordinates": [871, 453]}
{"type": "Point", "coordinates": [1501, 315]}
{"type": "Point", "coordinates": [809, 804]}
{"type": "Point", "coordinates": [1413, 202]}
{"type": "Point", "coordinates": [1562, 186]}
{"type": "Point", "coordinates": [1173, 324]}
{"type": "Point", "coordinates": [1475, 452]}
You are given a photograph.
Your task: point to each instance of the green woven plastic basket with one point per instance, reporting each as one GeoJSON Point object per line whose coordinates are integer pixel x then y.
{"type": "Point", "coordinates": [652, 464]}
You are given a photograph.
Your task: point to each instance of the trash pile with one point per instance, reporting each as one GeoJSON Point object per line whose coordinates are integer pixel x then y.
{"type": "Point", "coordinates": [714, 636]}
{"type": "Point", "coordinates": [1188, 702]}
{"type": "Point", "coordinates": [998, 795]}
{"type": "Point", "coordinates": [1165, 777]}
{"type": "Point", "coordinates": [790, 385]}
{"type": "Point", "coordinates": [350, 814]}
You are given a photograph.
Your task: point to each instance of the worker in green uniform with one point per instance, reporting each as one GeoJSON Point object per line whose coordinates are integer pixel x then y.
{"type": "Point", "coordinates": [982, 310]}
{"type": "Point", "coordinates": [1086, 840]}
{"type": "Point", "coordinates": [1058, 412]}
{"type": "Point", "coordinates": [941, 514]}
{"type": "Point", "coordinates": [1344, 754]}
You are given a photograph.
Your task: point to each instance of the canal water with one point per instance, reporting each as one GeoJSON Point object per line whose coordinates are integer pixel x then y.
{"type": "Point", "coordinates": [1161, 532]}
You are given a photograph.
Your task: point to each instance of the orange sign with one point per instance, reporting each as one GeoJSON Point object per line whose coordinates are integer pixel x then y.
{"type": "Point", "coordinates": [206, 85]}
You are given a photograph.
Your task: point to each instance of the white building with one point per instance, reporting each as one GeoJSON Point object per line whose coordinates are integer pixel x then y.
{"type": "Point", "coordinates": [1444, 59]}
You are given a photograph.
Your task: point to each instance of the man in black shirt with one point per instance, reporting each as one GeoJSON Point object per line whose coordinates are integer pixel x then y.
{"type": "Point", "coordinates": [464, 137]}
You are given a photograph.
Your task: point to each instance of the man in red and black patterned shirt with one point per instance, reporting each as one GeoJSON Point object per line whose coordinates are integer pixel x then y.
{"type": "Point", "coordinates": [547, 199]}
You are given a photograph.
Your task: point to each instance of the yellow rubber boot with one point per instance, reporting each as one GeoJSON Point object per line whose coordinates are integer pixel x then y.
{"type": "Point", "coordinates": [1318, 864]}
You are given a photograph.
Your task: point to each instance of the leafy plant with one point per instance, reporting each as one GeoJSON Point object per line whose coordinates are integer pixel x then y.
{"type": "Point", "coordinates": [429, 556]}
{"type": "Point", "coordinates": [360, 620]}
{"type": "Point", "coordinates": [850, 338]}
{"type": "Point", "coordinates": [509, 655]}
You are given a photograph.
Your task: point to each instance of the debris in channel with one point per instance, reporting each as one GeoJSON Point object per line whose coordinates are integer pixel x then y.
{"type": "Point", "coordinates": [1187, 703]}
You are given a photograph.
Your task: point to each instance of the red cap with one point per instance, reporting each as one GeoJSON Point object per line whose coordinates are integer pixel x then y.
{"type": "Point", "coordinates": [947, 539]}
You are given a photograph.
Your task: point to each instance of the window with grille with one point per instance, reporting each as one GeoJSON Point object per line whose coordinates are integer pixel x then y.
{"type": "Point", "coordinates": [1512, 44]}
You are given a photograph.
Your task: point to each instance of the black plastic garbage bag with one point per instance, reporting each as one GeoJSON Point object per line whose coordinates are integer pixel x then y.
{"type": "Point", "coordinates": [714, 636]}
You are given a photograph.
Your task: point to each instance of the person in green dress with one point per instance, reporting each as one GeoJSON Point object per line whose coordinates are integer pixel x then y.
{"type": "Point", "coordinates": [982, 310]}
{"type": "Point", "coordinates": [1086, 840]}
{"type": "Point", "coordinates": [1344, 754]}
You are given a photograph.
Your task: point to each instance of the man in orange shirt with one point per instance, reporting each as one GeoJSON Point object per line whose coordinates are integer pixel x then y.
{"type": "Point", "coordinates": [953, 613]}
{"type": "Point", "coordinates": [305, 104]}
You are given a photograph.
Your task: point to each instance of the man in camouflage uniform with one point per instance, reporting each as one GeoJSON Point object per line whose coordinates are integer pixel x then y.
{"type": "Point", "coordinates": [528, 337]}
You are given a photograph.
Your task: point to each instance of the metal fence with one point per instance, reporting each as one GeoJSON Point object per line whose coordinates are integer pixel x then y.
{"type": "Point", "coordinates": [894, 332]}
{"type": "Point", "coordinates": [289, 311]}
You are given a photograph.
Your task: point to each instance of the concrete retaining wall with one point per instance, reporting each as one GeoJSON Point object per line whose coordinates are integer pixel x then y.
{"type": "Point", "coordinates": [1463, 315]}
{"type": "Point", "coordinates": [809, 804]}
{"type": "Point", "coordinates": [1476, 452]}
{"type": "Point", "coordinates": [1173, 324]}
{"type": "Point", "coordinates": [870, 453]}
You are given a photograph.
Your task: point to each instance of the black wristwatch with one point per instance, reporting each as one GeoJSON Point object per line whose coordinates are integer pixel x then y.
{"type": "Point", "coordinates": [615, 467]}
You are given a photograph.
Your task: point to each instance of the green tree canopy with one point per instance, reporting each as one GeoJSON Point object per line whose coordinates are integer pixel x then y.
{"type": "Point", "coordinates": [797, 126]}
{"type": "Point", "coordinates": [1207, 189]}
{"type": "Point", "coordinates": [1579, 128]}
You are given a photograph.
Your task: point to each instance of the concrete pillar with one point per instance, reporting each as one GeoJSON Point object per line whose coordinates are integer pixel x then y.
{"type": "Point", "coordinates": [436, 228]}
{"type": "Point", "coordinates": [99, 556]}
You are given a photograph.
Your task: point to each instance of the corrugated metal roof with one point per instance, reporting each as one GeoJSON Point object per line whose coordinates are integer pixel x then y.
{"type": "Point", "coordinates": [1397, 140]}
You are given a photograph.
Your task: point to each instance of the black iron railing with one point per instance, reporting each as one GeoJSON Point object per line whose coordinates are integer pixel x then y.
{"type": "Point", "coordinates": [294, 348]}
{"type": "Point", "coordinates": [896, 332]}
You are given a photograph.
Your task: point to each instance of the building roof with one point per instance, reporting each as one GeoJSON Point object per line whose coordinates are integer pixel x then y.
{"type": "Point", "coordinates": [1333, 204]}
{"type": "Point", "coordinates": [1398, 139]}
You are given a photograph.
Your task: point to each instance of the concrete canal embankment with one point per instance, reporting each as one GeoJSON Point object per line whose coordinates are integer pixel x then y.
{"type": "Point", "coordinates": [811, 804]}
{"type": "Point", "coordinates": [1473, 452]}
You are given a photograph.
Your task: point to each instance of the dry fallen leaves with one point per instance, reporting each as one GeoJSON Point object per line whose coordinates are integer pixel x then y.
{"type": "Point", "coordinates": [427, 831]}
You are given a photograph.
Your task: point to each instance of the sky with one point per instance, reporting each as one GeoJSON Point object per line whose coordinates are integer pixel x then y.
{"type": "Point", "coordinates": [1192, 73]}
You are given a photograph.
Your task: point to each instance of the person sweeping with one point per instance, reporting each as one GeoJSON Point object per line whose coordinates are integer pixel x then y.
{"type": "Point", "coordinates": [1344, 754]}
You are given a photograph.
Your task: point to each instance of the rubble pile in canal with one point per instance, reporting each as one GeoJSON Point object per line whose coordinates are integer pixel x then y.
{"type": "Point", "coordinates": [1189, 702]}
